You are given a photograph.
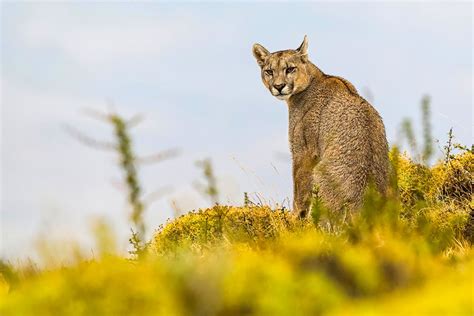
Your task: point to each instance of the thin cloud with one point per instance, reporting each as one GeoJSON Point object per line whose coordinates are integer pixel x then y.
{"type": "Point", "coordinates": [108, 40]}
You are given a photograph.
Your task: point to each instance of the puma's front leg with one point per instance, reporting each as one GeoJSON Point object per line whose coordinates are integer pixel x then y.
{"type": "Point", "coordinates": [302, 186]}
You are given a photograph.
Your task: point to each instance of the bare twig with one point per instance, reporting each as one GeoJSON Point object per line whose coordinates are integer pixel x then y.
{"type": "Point", "coordinates": [159, 157]}
{"type": "Point", "coordinates": [157, 194]}
{"type": "Point", "coordinates": [210, 189]}
{"type": "Point", "coordinates": [89, 141]}
{"type": "Point", "coordinates": [94, 114]}
{"type": "Point", "coordinates": [135, 120]}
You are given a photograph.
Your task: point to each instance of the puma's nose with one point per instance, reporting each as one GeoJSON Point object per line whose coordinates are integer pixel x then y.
{"type": "Point", "coordinates": [279, 87]}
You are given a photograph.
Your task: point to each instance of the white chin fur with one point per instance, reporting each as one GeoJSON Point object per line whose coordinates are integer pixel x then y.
{"type": "Point", "coordinates": [283, 97]}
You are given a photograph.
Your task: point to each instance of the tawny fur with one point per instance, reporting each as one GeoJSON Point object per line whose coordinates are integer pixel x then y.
{"type": "Point", "coordinates": [337, 138]}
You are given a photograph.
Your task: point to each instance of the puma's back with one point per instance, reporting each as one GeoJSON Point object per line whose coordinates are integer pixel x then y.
{"type": "Point", "coordinates": [337, 138]}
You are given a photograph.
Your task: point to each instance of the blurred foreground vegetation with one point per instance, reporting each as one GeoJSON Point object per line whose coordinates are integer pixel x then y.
{"type": "Point", "coordinates": [408, 254]}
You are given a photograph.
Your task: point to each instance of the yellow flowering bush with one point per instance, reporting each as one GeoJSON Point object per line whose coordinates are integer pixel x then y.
{"type": "Point", "coordinates": [401, 255]}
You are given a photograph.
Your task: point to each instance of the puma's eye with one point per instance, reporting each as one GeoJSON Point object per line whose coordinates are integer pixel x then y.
{"type": "Point", "coordinates": [269, 72]}
{"type": "Point", "coordinates": [289, 70]}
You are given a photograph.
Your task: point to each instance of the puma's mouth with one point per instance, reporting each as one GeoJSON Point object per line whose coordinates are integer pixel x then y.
{"type": "Point", "coordinates": [282, 96]}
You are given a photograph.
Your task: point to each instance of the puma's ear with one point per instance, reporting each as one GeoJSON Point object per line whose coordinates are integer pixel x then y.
{"type": "Point", "coordinates": [260, 53]}
{"type": "Point", "coordinates": [303, 49]}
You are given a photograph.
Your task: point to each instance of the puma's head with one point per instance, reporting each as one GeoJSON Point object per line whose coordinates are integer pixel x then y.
{"type": "Point", "coordinates": [284, 72]}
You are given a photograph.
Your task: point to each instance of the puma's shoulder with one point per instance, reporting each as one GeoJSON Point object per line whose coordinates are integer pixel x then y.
{"type": "Point", "coordinates": [339, 83]}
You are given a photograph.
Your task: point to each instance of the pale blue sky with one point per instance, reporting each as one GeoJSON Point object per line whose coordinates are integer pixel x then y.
{"type": "Point", "coordinates": [189, 69]}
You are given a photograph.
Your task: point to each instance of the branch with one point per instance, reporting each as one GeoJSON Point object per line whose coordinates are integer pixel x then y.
{"type": "Point", "coordinates": [86, 140]}
{"type": "Point", "coordinates": [167, 154]}
{"type": "Point", "coordinates": [156, 195]}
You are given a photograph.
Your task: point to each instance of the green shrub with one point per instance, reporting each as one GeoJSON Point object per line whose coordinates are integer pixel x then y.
{"type": "Point", "coordinates": [453, 179]}
{"type": "Point", "coordinates": [250, 224]}
{"type": "Point", "coordinates": [436, 201]}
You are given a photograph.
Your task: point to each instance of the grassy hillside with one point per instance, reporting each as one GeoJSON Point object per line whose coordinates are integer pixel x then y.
{"type": "Point", "coordinates": [410, 254]}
